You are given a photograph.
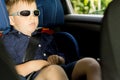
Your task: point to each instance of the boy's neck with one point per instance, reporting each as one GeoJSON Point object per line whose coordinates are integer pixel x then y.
{"type": "Point", "coordinates": [25, 33]}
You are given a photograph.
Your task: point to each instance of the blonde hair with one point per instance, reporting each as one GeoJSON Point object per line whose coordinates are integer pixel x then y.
{"type": "Point", "coordinates": [10, 3]}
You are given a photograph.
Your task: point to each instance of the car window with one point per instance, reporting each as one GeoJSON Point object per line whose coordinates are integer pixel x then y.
{"type": "Point", "coordinates": [88, 6]}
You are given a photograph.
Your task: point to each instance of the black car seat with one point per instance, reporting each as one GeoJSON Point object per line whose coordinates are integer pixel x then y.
{"type": "Point", "coordinates": [110, 42]}
{"type": "Point", "coordinates": [7, 70]}
{"type": "Point", "coordinates": [51, 18]}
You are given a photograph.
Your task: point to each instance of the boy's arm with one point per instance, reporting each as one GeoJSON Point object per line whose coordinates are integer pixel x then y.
{"type": "Point", "coordinates": [30, 66]}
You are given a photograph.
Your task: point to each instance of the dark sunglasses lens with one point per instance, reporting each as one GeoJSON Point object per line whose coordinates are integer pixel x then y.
{"type": "Point", "coordinates": [25, 13]}
{"type": "Point", "coordinates": [36, 13]}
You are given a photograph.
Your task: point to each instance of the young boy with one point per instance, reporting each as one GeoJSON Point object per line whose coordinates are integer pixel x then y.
{"type": "Point", "coordinates": [17, 40]}
{"type": "Point", "coordinates": [23, 15]}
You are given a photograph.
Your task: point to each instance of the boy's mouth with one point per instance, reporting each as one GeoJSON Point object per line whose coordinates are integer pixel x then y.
{"type": "Point", "coordinates": [32, 24]}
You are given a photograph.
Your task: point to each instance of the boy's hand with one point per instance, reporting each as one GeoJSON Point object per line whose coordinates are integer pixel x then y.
{"type": "Point", "coordinates": [55, 59]}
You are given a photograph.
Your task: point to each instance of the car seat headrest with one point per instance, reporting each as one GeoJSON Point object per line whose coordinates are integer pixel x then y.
{"type": "Point", "coordinates": [51, 13]}
{"type": "Point", "coordinates": [4, 20]}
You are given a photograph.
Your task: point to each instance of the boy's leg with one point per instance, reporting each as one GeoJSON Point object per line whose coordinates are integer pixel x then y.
{"type": "Point", "coordinates": [52, 72]}
{"type": "Point", "coordinates": [89, 67]}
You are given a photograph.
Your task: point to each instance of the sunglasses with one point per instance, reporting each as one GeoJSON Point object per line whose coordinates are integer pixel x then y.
{"type": "Point", "coordinates": [26, 13]}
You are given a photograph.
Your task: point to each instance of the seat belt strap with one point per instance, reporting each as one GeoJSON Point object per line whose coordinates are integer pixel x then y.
{"type": "Point", "coordinates": [31, 49]}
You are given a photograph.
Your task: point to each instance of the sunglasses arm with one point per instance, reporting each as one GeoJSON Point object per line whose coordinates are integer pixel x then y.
{"type": "Point", "coordinates": [15, 14]}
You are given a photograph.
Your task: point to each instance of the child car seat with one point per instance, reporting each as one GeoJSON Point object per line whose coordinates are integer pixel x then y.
{"type": "Point", "coordinates": [4, 21]}
{"type": "Point", "coordinates": [52, 17]}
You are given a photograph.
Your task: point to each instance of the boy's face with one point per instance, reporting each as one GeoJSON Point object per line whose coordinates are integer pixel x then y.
{"type": "Point", "coordinates": [24, 24]}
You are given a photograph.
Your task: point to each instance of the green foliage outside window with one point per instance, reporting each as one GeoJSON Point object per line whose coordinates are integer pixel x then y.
{"type": "Point", "coordinates": [90, 6]}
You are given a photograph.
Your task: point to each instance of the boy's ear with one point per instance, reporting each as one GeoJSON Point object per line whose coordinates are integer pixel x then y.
{"type": "Point", "coordinates": [11, 20]}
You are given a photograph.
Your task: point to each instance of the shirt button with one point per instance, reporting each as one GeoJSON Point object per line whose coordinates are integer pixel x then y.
{"type": "Point", "coordinates": [19, 32]}
{"type": "Point", "coordinates": [28, 36]}
{"type": "Point", "coordinates": [44, 54]}
{"type": "Point", "coordinates": [39, 45]}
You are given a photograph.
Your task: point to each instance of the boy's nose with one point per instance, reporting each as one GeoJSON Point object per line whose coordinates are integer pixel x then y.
{"type": "Point", "coordinates": [32, 16]}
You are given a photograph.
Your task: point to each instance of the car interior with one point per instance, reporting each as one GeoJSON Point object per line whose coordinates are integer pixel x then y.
{"type": "Point", "coordinates": [77, 36]}
{"type": "Point", "coordinates": [85, 29]}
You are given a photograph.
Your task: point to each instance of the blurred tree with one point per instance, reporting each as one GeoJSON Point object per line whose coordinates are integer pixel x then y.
{"type": "Point", "coordinates": [90, 6]}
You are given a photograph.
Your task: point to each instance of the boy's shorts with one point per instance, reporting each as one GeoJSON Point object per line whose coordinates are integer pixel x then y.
{"type": "Point", "coordinates": [68, 68]}
{"type": "Point", "coordinates": [22, 78]}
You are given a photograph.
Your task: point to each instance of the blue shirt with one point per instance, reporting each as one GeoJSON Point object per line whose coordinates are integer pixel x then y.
{"type": "Point", "coordinates": [16, 44]}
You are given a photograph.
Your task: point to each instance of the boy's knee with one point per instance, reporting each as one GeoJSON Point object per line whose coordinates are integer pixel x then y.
{"type": "Point", "coordinates": [51, 69]}
{"type": "Point", "coordinates": [58, 71]}
{"type": "Point", "coordinates": [55, 68]}
{"type": "Point", "coordinates": [90, 62]}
